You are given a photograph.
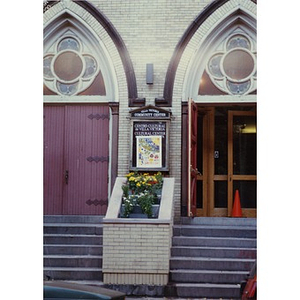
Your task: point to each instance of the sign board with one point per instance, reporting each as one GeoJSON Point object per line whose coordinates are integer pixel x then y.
{"type": "Point", "coordinates": [150, 139]}
{"type": "Point", "coordinates": [151, 112]}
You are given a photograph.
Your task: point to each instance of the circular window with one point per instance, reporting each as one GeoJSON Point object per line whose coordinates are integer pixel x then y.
{"type": "Point", "coordinates": [232, 67]}
{"type": "Point", "coordinates": [238, 65]}
{"type": "Point", "coordinates": [68, 66]}
{"type": "Point", "coordinates": [71, 69]}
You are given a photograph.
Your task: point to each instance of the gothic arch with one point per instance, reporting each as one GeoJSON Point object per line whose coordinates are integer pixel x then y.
{"type": "Point", "coordinates": [210, 22]}
{"type": "Point", "coordinates": [89, 21]}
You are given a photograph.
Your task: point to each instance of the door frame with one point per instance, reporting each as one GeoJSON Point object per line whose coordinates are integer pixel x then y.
{"type": "Point", "coordinates": [207, 176]}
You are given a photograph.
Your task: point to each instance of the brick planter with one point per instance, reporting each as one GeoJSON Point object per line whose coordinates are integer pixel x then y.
{"type": "Point", "coordinates": [137, 251]}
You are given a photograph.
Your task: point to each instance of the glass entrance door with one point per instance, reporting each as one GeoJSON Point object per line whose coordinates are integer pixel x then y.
{"type": "Point", "coordinates": [242, 160]}
{"type": "Point", "coordinates": [226, 160]}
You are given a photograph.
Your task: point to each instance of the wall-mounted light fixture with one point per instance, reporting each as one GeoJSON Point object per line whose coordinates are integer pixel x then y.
{"type": "Point", "coordinates": [149, 73]}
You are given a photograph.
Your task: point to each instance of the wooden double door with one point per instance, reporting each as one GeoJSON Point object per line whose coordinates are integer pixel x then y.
{"type": "Point", "coordinates": [225, 160]}
{"type": "Point", "coordinates": [76, 159]}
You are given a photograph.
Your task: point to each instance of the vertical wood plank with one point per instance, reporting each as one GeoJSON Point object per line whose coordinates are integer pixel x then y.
{"type": "Point", "coordinates": [53, 159]}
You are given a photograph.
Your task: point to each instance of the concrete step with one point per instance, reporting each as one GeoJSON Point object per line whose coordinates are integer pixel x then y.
{"type": "Point", "coordinates": [73, 219]}
{"type": "Point", "coordinates": [219, 221]}
{"type": "Point", "coordinates": [60, 273]}
{"type": "Point", "coordinates": [208, 263]}
{"type": "Point", "coordinates": [74, 261]}
{"type": "Point", "coordinates": [203, 290]}
{"type": "Point", "coordinates": [73, 249]}
{"type": "Point", "coordinates": [211, 276]}
{"type": "Point", "coordinates": [73, 228]}
{"type": "Point", "coordinates": [214, 241]}
{"type": "Point", "coordinates": [210, 257]}
{"type": "Point", "coordinates": [214, 231]}
{"type": "Point", "coordinates": [73, 239]}
{"type": "Point", "coordinates": [220, 252]}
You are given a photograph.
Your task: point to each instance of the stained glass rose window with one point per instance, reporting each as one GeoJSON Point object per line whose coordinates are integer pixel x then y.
{"type": "Point", "coordinates": [70, 69]}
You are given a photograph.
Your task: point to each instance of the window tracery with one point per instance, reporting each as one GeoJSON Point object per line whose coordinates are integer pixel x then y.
{"type": "Point", "coordinates": [69, 67]}
{"type": "Point", "coordinates": [231, 68]}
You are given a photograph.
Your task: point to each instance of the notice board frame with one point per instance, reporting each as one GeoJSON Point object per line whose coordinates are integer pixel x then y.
{"type": "Point", "coordinates": [147, 123]}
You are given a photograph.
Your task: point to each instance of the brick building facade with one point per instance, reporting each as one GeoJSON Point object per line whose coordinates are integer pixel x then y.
{"type": "Point", "coordinates": [178, 39]}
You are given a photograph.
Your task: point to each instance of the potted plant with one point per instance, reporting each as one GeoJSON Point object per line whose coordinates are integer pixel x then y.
{"type": "Point", "coordinates": [143, 191]}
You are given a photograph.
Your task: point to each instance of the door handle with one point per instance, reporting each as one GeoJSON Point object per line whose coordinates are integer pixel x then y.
{"type": "Point", "coordinates": [195, 171]}
{"type": "Point", "coordinates": [67, 176]}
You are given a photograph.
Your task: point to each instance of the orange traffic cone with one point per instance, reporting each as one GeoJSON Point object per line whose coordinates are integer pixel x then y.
{"type": "Point", "coordinates": [236, 210]}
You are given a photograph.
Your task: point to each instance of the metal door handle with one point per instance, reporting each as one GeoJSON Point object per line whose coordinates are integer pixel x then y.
{"type": "Point", "coordinates": [66, 176]}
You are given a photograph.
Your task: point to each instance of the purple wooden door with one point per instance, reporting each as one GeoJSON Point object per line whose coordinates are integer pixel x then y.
{"type": "Point", "coordinates": [83, 175]}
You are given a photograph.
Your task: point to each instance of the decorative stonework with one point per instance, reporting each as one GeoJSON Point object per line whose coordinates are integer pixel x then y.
{"type": "Point", "coordinates": [187, 78]}
{"type": "Point", "coordinates": [113, 72]}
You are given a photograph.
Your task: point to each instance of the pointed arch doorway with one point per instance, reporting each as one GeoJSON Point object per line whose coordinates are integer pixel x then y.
{"type": "Point", "coordinates": [217, 55]}
{"type": "Point", "coordinates": [84, 80]}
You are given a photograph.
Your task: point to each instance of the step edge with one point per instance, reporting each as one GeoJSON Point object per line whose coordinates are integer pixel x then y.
{"type": "Point", "coordinates": [190, 258]}
{"type": "Point", "coordinates": [71, 269]}
{"type": "Point", "coordinates": [72, 256]}
{"type": "Point", "coordinates": [225, 227]}
{"type": "Point", "coordinates": [70, 245]}
{"type": "Point", "coordinates": [214, 237]}
{"type": "Point", "coordinates": [100, 225]}
{"type": "Point", "coordinates": [210, 285]}
{"type": "Point", "coordinates": [225, 272]}
{"type": "Point", "coordinates": [71, 235]}
{"type": "Point", "coordinates": [212, 248]}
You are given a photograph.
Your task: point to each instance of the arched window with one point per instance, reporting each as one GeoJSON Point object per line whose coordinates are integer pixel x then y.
{"type": "Point", "coordinates": [77, 59]}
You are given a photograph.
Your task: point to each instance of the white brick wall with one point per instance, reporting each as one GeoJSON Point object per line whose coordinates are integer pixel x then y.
{"type": "Point", "coordinates": [136, 253]}
{"type": "Point", "coordinates": [151, 31]}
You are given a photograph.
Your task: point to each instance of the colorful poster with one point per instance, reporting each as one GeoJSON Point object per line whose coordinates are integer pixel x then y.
{"type": "Point", "coordinates": [149, 149]}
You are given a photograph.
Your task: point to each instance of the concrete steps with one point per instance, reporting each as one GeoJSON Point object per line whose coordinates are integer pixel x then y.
{"type": "Point", "coordinates": [210, 257]}
{"type": "Point", "coordinates": [73, 248]}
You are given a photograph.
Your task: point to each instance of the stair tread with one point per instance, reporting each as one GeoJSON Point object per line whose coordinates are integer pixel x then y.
{"type": "Point", "coordinates": [225, 227]}
{"type": "Point", "coordinates": [208, 271]}
{"type": "Point", "coordinates": [210, 285]}
{"type": "Point", "coordinates": [71, 235]}
{"type": "Point", "coordinates": [211, 248]}
{"type": "Point", "coordinates": [73, 225]}
{"type": "Point", "coordinates": [189, 258]}
{"type": "Point", "coordinates": [71, 256]}
{"type": "Point", "coordinates": [71, 269]}
{"type": "Point", "coordinates": [74, 246]}
{"type": "Point", "coordinates": [212, 237]}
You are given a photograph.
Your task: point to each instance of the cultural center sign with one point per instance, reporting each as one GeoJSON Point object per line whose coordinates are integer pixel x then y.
{"type": "Point", "coordinates": [150, 139]}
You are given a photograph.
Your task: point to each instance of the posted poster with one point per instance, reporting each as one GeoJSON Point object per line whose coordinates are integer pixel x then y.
{"type": "Point", "coordinates": [149, 151]}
